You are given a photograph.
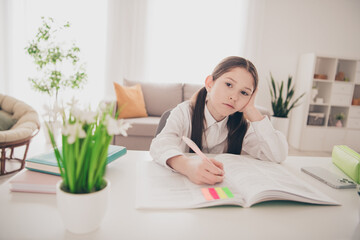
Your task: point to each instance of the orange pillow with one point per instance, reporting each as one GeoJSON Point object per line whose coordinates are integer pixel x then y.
{"type": "Point", "coordinates": [131, 100]}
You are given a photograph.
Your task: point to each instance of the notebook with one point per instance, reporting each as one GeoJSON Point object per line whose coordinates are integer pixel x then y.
{"type": "Point", "coordinates": [36, 182]}
{"type": "Point", "coordinates": [248, 181]}
{"type": "Point", "coordinates": [47, 163]}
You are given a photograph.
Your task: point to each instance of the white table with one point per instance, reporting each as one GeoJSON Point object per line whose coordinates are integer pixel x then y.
{"type": "Point", "coordinates": [35, 216]}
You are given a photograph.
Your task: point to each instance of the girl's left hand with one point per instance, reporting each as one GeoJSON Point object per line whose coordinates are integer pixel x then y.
{"type": "Point", "coordinates": [250, 111]}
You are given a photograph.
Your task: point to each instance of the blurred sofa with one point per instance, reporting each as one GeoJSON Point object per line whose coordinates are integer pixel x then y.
{"type": "Point", "coordinates": [158, 97]}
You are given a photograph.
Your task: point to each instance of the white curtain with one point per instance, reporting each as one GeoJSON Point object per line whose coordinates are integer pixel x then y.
{"type": "Point", "coordinates": [125, 41]}
{"type": "Point", "coordinates": [254, 31]}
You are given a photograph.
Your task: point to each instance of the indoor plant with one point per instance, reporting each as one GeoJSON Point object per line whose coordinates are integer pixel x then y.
{"type": "Point", "coordinates": [339, 117]}
{"type": "Point", "coordinates": [86, 136]}
{"type": "Point", "coordinates": [282, 105]}
{"type": "Point", "coordinates": [57, 62]}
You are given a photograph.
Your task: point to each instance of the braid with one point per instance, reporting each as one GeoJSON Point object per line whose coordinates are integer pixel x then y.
{"type": "Point", "coordinates": [197, 120]}
{"type": "Point", "coordinates": [237, 126]}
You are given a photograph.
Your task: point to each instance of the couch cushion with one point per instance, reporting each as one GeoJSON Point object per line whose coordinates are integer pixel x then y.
{"type": "Point", "coordinates": [6, 121]}
{"type": "Point", "coordinates": [190, 89]}
{"type": "Point", "coordinates": [145, 126]}
{"type": "Point", "coordinates": [159, 96]}
{"type": "Point", "coordinates": [130, 100]}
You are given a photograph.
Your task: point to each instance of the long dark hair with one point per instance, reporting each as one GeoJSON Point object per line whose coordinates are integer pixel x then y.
{"type": "Point", "coordinates": [237, 124]}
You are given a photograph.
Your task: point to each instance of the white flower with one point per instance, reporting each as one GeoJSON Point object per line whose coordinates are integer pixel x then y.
{"type": "Point", "coordinates": [103, 105]}
{"type": "Point", "coordinates": [52, 113]}
{"type": "Point", "coordinates": [76, 112]}
{"type": "Point", "coordinates": [88, 117]}
{"type": "Point", "coordinates": [75, 120]}
{"type": "Point", "coordinates": [73, 102]}
{"type": "Point", "coordinates": [123, 127]}
{"type": "Point", "coordinates": [73, 131]}
{"type": "Point", "coordinates": [115, 127]}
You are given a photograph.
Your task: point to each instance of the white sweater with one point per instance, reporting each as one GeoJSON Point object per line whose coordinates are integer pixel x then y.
{"type": "Point", "coordinates": [261, 140]}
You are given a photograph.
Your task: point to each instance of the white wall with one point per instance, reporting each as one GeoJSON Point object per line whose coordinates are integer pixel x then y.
{"type": "Point", "coordinates": [2, 48]}
{"type": "Point", "coordinates": [284, 29]}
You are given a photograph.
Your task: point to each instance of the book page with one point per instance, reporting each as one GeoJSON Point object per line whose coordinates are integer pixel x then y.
{"type": "Point", "coordinates": [159, 187]}
{"type": "Point", "coordinates": [259, 181]}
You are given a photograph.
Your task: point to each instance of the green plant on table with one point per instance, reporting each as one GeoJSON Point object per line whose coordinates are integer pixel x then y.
{"type": "Point", "coordinates": [58, 63]}
{"type": "Point", "coordinates": [281, 105]}
{"type": "Point", "coordinates": [86, 136]}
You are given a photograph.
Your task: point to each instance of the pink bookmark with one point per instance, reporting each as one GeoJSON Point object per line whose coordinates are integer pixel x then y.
{"type": "Point", "coordinates": [207, 195]}
{"type": "Point", "coordinates": [213, 193]}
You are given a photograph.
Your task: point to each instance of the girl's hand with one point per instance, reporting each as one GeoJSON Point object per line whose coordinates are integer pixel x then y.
{"type": "Point", "coordinates": [198, 171]}
{"type": "Point", "coordinates": [250, 111]}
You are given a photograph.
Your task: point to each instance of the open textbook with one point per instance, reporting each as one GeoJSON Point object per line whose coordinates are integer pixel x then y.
{"type": "Point", "coordinates": [247, 181]}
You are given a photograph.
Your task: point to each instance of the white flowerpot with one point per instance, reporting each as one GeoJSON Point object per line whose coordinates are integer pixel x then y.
{"type": "Point", "coordinates": [338, 123]}
{"type": "Point", "coordinates": [281, 124]}
{"type": "Point", "coordinates": [82, 213]}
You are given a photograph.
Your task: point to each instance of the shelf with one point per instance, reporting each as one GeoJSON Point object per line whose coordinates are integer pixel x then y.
{"type": "Point", "coordinates": [334, 127]}
{"type": "Point", "coordinates": [347, 69]}
{"type": "Point", "coordinates": [323, 80]}
{"type": "Point", "coordinates": [326, 66]}
{"type": "Point", "coordinates": [342, 106]}
{"type": "Point", "coordinates": [319, 104]}
{"type": "Point", "coordinates": [356, 96]}
{"type": "Point", "coordinates": [338, 94]}
{"type": "Point", "coordinates": [323, 88]}
{"type": "Point", "coordinates": [335, 111]}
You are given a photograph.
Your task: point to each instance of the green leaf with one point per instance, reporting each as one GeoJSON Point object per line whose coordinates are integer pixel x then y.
{"type": "Point", "coordinates": [49, 55]}
{"type": "Point", "coordinates": [282, 106]}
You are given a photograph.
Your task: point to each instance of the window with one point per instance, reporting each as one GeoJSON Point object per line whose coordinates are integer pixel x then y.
{"type": "Point", "coordinates": [186, 39]}
{"type": "Point", "coordinates": [89, 33]}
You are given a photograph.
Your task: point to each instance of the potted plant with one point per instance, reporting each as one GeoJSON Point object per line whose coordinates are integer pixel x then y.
{"type": "Point", "coordinates": [57, 62]}
{"type": "Point", "coordinates": [86, 136]}
{"type": "Point", "coordinates": [339, 117]}
{"type": "Point", "coordinates": [282, 105]}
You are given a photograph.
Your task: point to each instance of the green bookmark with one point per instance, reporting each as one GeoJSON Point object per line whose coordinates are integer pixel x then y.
{"type": "Point", "coordinates": [228, 192]}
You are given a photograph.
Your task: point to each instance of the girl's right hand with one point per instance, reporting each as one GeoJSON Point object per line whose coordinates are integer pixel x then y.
{"type": "Point", "coordinates": [198, 171]}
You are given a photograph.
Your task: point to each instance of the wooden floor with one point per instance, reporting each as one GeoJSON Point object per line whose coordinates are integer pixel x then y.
{"type": "Point", "coordinates": [39, 145]}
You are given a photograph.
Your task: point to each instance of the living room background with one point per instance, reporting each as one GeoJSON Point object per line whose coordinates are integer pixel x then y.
{"type": "Point", "coordinates": [273, 34]}
{"type": "Point", "coordinates": [155, 40]}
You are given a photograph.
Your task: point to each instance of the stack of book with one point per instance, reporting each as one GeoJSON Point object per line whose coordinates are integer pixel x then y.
{"type": "Point", "coordinates": [42, 172]}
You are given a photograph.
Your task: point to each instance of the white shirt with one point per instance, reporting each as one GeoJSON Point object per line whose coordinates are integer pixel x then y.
{"type": "Point", "coordinates": [261, 140]}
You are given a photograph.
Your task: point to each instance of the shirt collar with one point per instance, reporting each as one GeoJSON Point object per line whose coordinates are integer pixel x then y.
{"type": "Point", "coordinates": [210, 120]}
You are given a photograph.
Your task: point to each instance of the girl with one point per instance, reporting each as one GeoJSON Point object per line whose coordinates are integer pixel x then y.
{"type": "Point", "coordinates": [220, 118]}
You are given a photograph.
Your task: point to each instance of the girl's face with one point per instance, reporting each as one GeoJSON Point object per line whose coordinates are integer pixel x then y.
{"type": "Point", "coordinates": [229, 93]}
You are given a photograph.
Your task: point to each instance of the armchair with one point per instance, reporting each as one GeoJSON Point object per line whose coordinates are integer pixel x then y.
{"type": "Point", "coordinates": [20, 134]}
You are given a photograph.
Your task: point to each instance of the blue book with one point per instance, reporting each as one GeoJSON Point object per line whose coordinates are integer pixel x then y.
{"type": "Point", "coordinates": [46, 163]}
